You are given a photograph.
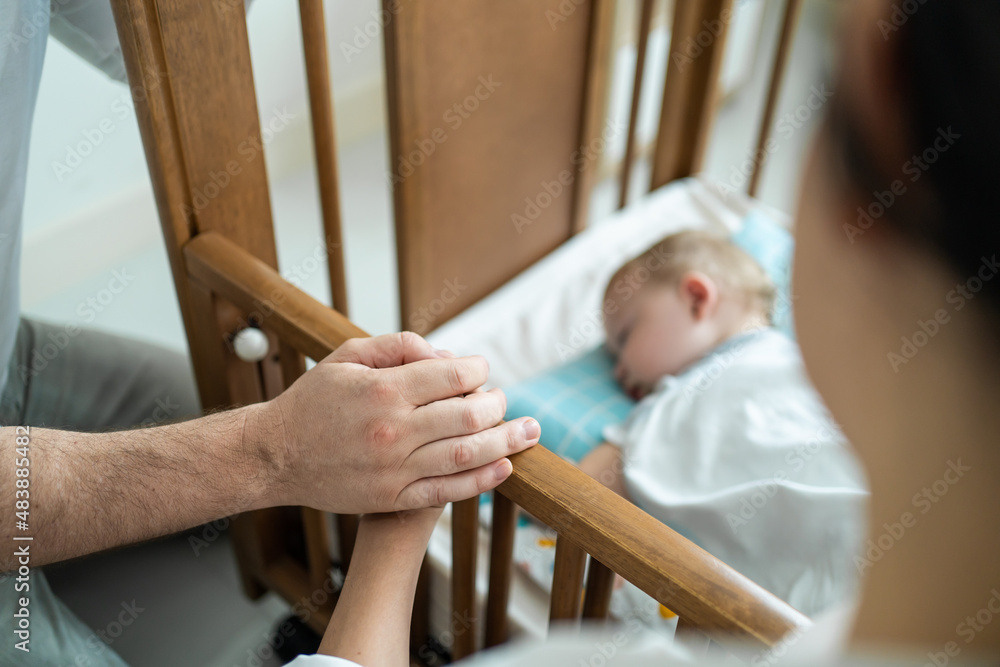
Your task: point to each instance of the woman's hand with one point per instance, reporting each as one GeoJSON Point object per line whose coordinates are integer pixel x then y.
{"type": "Point", "coordinates": [371, 622]}
{"type": "Point", "coordinates": [410, 526]}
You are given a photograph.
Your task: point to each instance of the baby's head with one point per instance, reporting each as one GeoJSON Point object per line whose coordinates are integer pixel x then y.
{"type": "Point", "coordinates": [671, 305]}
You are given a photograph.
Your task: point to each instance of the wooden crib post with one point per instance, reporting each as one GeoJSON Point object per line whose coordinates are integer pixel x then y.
{"type": "Point", "coordinates": [501, 564]}
{"type": "Point", "coordinates": [600, 584]}
{"type": "Point", "coordinates": [465, 545]}
{"type": "Point", "coordinates": [645, 23]}
{"type": "Point", "coordinates": [690, 92]}
{"type": "Point", "coordinates": [567, 581]}
{"type": "Point", "coordinates": [313, 22]}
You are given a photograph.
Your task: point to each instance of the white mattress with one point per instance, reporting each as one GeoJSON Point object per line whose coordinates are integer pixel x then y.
{"type": "Point", "coordinates": [547, 315]}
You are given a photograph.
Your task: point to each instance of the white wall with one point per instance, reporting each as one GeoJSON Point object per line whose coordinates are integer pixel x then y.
{"type": "Point", "coordinates": [89, 204]}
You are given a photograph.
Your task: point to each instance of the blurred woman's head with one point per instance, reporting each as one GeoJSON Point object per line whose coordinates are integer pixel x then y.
{"type": "Point", "coordinates": [898, 291]}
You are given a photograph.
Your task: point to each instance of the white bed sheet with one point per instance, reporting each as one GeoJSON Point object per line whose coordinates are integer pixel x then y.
{"type": "Point", "coordinates": [549, 314]}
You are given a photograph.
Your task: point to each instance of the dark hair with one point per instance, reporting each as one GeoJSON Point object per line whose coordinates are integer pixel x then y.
{"type": "Point", "coordinates": [946, 55]}
{"type": "Point", "coordinates": [949, 62]}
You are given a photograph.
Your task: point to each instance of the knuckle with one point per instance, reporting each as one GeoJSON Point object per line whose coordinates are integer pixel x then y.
{"type": "Point", "coordinates": [410, 340]}
{"type": "Point", "coordinates": [484, 481]}
{"type": "Point", "coordinates": [497, 410]}
{"type": "Point", "coordinates": [502, 400]}
{"type": "Point", "coordinates": [462, 454]}
{"type": "Point", "coordinates": [515, 436]}
{"type": "Point", "coordinates": [381, 390]}
{"type": "Point", "coordinates": [382, 433]}
{"type": "Point", "coordinates": [472, 418]}
{"type": "Point", "coordinates": [350, 346]}
{"type": "Point", "coordinates": [404, 500]}
{"type": "Point", "coordinates": [436, 494]}
{"type": "Point", "coordinates": [459, 377]}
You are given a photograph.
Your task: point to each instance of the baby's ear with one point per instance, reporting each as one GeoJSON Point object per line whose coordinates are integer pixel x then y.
{"type": "Point", "coordinates": [700, 293]}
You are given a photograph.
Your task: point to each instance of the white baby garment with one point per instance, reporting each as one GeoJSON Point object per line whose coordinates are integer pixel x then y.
{"type": "Point", "coordinates": [739, 454]}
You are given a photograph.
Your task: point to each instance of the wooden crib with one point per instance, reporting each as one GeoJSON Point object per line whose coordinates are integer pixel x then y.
{"type": "Point", "coordinates": [545, 65]}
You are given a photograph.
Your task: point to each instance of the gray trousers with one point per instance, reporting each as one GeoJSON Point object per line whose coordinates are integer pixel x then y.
{"type": "Point", "coordinates": [92, 381]}
{"type": "Point", "coordinates": [80, 380]}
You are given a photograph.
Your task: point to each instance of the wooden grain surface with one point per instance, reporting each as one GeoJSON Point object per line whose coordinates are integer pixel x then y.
{"type": "Point", "coordinates": [645, 24]}
{"type": "Point", "coordinates": [690, 92]}
{"type": "Point", "coordinates": [600, 585]}
{"type": "Point", "coordinates": [487, 105]}
{"type": "Point", "coordinates": [313, 23]}
{"type": "Point", "coordinates": [501, 569]}
{"type": "Point", "coordinates": [567, 581]}
{"type": "Point", "coordinates": [465, 547]}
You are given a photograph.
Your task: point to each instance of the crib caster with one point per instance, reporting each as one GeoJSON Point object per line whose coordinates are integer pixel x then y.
{"type": "Point", "coordinates": [251, 345]}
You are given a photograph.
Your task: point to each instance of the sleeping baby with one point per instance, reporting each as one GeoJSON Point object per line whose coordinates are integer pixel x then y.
{"type": "Point", "coordinates": [729, 444]}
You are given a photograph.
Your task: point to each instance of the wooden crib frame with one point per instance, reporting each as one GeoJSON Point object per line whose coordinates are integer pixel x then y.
{"type": "Point", "coordinates": [189, 65]}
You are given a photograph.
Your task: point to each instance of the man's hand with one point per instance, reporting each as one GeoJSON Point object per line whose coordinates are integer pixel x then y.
{"type": "Point", "coordinates": [382, 424]}
{"type": "Point", "coordinates": [386, 424]}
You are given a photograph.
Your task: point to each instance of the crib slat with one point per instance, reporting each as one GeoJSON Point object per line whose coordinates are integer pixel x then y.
{"type": "Point", "coordinates": [600, 584]}
{"type": "Point", "coordinates": [645, 21]}
{"type": "Point", "coordinates": [464, 545]}
{"type": "Point", "coordinates": [501, 561]}
{"type": "Point", "coordinates": [690, 91]}
{"type": "Point", "coordinates": [325, 142]}
{"type": "Point", "coordinates": [594, 103]}
{"type": "Point", "coordinates": [317, 546]}
{"type": "Point", "coordinates": [567, 581]}
{"type": "Point", "coordinates": [792, 10]}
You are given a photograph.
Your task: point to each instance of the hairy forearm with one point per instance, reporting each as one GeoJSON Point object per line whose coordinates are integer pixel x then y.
{"type": "Point", "coordinates": [93, 491]}
{"type": "Point", "coordinates": [371, 622]}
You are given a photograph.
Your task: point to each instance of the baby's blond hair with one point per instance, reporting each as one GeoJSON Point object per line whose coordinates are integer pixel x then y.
{"type": "Point", "coordinates": [737, 274]}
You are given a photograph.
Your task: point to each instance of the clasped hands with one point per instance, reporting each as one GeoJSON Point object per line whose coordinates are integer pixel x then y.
{"type": "Point", "coordinates": [385, 424]}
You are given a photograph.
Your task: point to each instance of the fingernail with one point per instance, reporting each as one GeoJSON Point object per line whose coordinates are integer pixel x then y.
{"type": "Point", "coordinates": [503, 470]}
{"type": "Point", "coordinates": [445, 354]}
{"type": "Point", "coordinates": [531, 430]}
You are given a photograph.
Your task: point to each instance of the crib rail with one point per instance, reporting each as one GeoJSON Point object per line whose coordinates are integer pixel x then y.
{"type": "Point", "coordinates": [590, 519]}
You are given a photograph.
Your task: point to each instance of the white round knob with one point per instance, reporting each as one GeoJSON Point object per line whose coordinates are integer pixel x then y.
{"type": "Point", "coordinates": [251, 344]}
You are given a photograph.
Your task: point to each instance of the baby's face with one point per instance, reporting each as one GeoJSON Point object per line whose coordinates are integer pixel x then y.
{"type": "Point", "coordinates": [653, 333]}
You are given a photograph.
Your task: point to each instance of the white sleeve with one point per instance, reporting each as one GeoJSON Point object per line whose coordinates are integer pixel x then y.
{"type": "Point", "coordinates": [321, 661]}
{"type": "Point", "coordinates": [87, 27]}
{"type": "Point", "coordinates": [630, 646]}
